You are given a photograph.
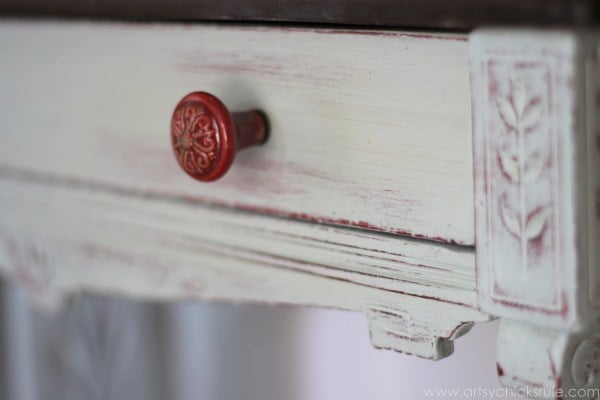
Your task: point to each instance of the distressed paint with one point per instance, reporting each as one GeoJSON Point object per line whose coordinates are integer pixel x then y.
{"type": "Point", "coordinates": [381, 141]}
{"type": "Point", "coordinates": [419, 330]}
{"type": "Point", "coordinates": [537, 175]}
{"type": "Point", "coordinates": [525, 104]}
{"type": "Point", "coordinates": [549, 362]}
{"type": "Point", "coordinates": [164, 249]}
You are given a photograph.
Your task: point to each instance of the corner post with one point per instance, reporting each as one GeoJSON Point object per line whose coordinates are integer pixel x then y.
{"type": "Point", "coordinates": [536, 140]}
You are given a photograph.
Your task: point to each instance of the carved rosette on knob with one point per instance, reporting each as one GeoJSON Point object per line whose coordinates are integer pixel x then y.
{"type": "Point", "coordinates": [206, 136]}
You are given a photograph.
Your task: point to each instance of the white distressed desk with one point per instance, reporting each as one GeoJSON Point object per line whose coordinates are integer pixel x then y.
{"type": "Point", "coordinates": [430, 180]}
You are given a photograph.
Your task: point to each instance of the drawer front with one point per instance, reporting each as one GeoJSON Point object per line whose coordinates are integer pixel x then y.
{"type": "Point", "coordinates": [368, 129]}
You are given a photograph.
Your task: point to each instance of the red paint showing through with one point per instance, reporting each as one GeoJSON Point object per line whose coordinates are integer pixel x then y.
{"type": "Point", "coordinates": [563, 311]}
{"type": "Point", "coordinates": [37, 176]}
{"type": "Point", "coordinates": [344, 222]}
{"type": "Point", "coordinates": [358, 32]}
{"type": "Point", "coordinates": [500, 370]}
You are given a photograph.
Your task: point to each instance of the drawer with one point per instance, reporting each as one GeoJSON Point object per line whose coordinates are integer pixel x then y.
{"type": "Point", "coordinates": [369, 129]}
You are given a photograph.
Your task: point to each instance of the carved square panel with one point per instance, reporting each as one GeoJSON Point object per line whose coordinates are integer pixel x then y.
{"type": "Point", "coordinates": [531, 206]}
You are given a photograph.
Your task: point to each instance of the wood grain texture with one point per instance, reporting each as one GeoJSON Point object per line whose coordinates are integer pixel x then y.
{"type": "Point", "coordinates": [369, 129]}
{"type": "Point", "coordinates": [535, 109]}
{"type": "Point", "coordinates": [455, 14]}
{"type": "Point", "coordinates": [59, 239]}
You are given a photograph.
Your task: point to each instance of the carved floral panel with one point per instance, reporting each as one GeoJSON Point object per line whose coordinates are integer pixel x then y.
{"type": "Point", "coordinates": [521, 160]}
{"type": "Point", "coordinates": [528, 202]}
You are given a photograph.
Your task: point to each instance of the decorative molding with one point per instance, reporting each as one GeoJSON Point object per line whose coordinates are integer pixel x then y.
{"type": "Point", "coordinates": [521, 114]}
{"type": "Point", "coordinates": [529, 162]}
{"type": "Point", "coordinates": [428, 333]}
{"type": "Point", "coordinates": [537, 179]}
{"type": "Point", "coordinates": [163, 249]}
{"type": "Point", "coordinates": [584, 364]}
{"type": "Point", "coordinates": [549, 363]}
{"type": "Point", "coordinates": [521, 178]}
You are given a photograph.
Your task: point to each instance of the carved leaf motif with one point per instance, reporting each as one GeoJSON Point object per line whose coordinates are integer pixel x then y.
{"type": "Point", "coordinates": [507, 113]}
{"type": "Point", "coordinates": [534, 169]}
{"type": "Point", "coordinates": [531, 115]}
{"type": "Point", "coordinates": [509, 165]}
{"type": "Point", "coordinates": [519, 92]}
{"type": "Point", "coordinates": [535, 224]}
{"type": "Point", "coordinates": [510, 220]}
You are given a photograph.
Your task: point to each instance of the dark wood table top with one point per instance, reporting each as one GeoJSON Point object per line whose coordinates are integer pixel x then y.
{"type": "Point", "coordinates": [428, 14]}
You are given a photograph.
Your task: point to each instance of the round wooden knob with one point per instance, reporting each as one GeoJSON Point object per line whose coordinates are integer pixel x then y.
{"type": "Point", "coordinates": [206, 136]}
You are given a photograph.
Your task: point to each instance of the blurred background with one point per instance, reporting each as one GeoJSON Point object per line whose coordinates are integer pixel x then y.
{"type": "Point", "coordinates": [100, 348]}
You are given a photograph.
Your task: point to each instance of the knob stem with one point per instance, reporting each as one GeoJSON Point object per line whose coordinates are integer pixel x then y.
{"type": "Point", "coordinates": [251, 128]}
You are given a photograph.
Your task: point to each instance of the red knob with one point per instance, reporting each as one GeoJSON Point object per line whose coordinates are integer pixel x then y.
{"type": "Point", "coordinates": [206, 136]}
